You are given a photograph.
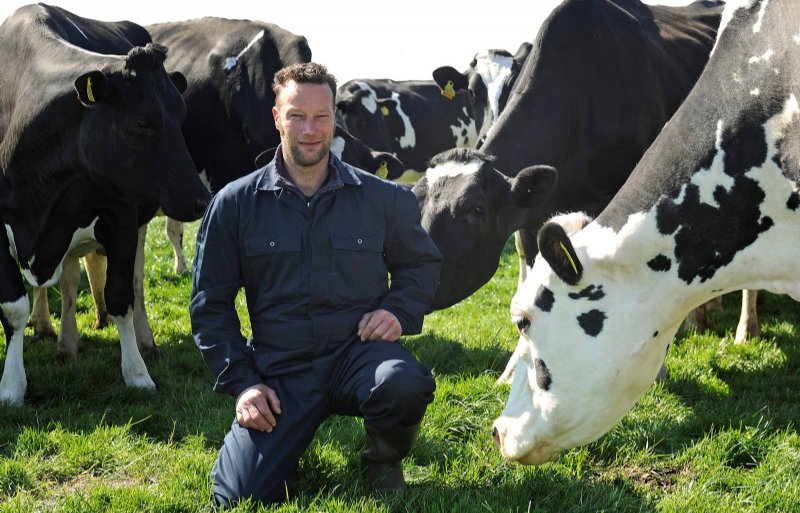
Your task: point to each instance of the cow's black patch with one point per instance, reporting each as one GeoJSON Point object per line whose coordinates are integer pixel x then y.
{"type": "Point", "coordinates": [660, 263]}
{"type": "Point", "coordinates": [591, 293]}
{"type": "Point", "coordinates": [655, 334]}
{"type": "Point", "coordinates": [543, 378]}
{"type": "Point", "coordinates": [793, 202]}
{"type": "Point", "coordinates": [592, 322]}
{"type": "Point", "coordinates": [544, 299]}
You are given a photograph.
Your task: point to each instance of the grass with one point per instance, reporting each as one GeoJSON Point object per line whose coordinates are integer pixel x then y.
{"type": "Point", "coordinates": [719, 435]}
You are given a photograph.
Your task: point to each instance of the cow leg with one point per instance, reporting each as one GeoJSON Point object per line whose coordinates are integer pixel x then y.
{"type": "Point", "coordinates": [40, 315]}
{"type": "Point", "coordinates": [748, 321]}
{"type": "Point", "coordinates": [96, 268]}
{"type": "Point", "coordinates": [144, 335]}
{"type": "Point", "coordinates": [15, 310]}
{"type": "Point", "coordinates": [68, 337]}
{"type": "Point", "coordinates": [175, 236]}
{"type": "Point", "coordinates": [523, 266]}
{"type": "Point", "coordinates": [508, 374]}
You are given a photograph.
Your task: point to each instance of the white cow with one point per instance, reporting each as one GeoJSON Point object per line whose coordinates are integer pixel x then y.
{"type": "Point", "coordinates": [712, 207]}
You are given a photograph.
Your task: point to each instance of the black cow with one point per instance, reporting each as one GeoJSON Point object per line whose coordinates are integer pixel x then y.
{"type": "Point", "coordinates": [90, 127]}
{"type": "Point", "coordinates": [489, 79]}
{"type": "Point", "coordinates": [411, 119]}
{"type": "Point", "coordinates": [603, 78]}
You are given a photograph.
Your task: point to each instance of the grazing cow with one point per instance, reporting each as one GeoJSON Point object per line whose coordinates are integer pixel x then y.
{"type": "Point", "coordinates": [489, 79]}
{"type": "Point", "coordinates": [600, 82]}
{"type": "Point", "coordinates": [711, 207]}
{"type": "Point", "coordinates": [89, 127]}
{"type": "Point", "coordinates": [411, 119]}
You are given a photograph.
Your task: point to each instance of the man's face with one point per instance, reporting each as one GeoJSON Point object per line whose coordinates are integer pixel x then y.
{"type": "Point", "coordinates": [304, 117]}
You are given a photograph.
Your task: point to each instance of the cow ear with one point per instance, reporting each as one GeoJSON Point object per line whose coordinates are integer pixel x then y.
{"type": "Point", "coordinates": [533, 185]}
{"type": "Point", "coordinates": [522, 53]}
{"type": "Point", "coordinates": [179, 81]}
{"type": "Point", "coordinates": [556, 248]}
{"type": "Point", "coordinates": [91, 87]}
{"type": "Point", "coordinates": [450, 81]}
{"type": "Point", "coordinates": [387, 106]}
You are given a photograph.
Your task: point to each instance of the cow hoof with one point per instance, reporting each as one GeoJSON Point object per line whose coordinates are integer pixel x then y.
{"type": "Point", "coordinates": [101, 322]}
{"type": "Point", "coordinates": [63, 357]}
{"type": "Point", "coordinates": [12, 397]}
{"type": "Point", "coordinates": [144, 382]}
{"type": "Point", "coordinates": [180, 268]}
{"type": "Point", "coordinates": [151, 353]}
{"type": "Point", "coordinates": [42, 332]}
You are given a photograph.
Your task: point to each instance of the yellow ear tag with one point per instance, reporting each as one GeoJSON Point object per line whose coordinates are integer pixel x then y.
{"type": "Point", "coordinates": [569, 257]}
{"type": "Point", "coordinates": [89, 93]}
{"type": "Point", "coordinates": [382, 171]}
{"type": "Point", "coordinates": [385, 111]}
{"type": "Point", "coordinates": [449, 91]}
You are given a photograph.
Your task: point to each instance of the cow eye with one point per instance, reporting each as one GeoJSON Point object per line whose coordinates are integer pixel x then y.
{"type": "Point", "coordinates": [479, 211]}
{"type": "Point", "coordinates": [144, 124]}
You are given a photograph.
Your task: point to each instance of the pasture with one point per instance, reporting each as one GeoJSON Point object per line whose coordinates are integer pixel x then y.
{"type": "Point", "coordinates": [719, 435]}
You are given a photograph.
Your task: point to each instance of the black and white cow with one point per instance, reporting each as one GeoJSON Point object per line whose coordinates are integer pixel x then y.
{"type": "Point", "coordinates": [600, 82]}
{"type": "Point", "coordinates": [89, 128]}
{"type": "Point", "coordinates": [410, 118]}
{"type": "Point", "coordinates": [489, 79]}
{"type": "Point", "coordinates": [713, 206]}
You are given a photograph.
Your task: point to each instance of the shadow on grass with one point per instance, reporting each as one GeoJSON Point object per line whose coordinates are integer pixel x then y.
{"type": "Point", "coordinates": [448, 357]}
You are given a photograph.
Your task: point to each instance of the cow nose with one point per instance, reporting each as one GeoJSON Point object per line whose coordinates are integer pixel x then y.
{"type": "Point", "coordinates": [521, 320]}
{"type": "Point", "coordinates": [495, 436]}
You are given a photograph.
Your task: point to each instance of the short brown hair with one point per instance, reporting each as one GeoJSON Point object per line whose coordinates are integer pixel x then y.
{"type": "Point", "coordinates": [303, 73]}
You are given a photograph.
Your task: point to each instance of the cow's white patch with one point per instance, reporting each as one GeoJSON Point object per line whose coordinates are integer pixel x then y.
{"type": "Point", "coordinates": [369, 101]}
{"type": "Point", "coordinates": [755, 92]}
{"type": "Point", "coordinates": [761, 12]}
{"type": "Point", "coordinates": [83, 241]}
{"type": "Point", "coordinates": [450, 169]}
{"type": "Point", "coordinates": [14, 382]}
{"type": "Point", "coordinates": [464, 134]}
{"type": "Point", "coordinates": [707, 180]}
{"type": "Point", "coordinates": [764, 57]}
{"type": "Point", "coordinates": [12, 245]}
{"type": "Point", "coordinates": [494, 70]}
{"type": "Point", "coordinates": [796, 38]}
{"type": "Point", "coordinates": [134, 371]}
{"type": "Point", "coordinates": [231, 62]}
{"type": "Point", "coordinates": [337, 146]}
{"type": "Point", "coordinates": [409, 137]}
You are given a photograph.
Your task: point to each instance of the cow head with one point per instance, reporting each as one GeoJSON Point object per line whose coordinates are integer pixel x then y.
{"type": "Point", "coordinates": [470, 209]}
{"type": "Point", "coordinates": [591, 352]}
{"type": "Point", "coordinates": [130, 134]}
{"type": "Point", "coordinates": [365, 114]}
{"type": "Point", "coordinates": [489, 79]}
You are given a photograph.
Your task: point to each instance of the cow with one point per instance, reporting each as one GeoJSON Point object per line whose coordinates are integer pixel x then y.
{"type": "Point", "coordinates": [708, 209]}
{"type": "Point", "coordinates": [410, 118]}
{"type": "Point", "coordinates": [602, 79]}
{"type": "Point", "coordinates": [489, 80]}
{"type": "Point", "coordinates": [89, 129]}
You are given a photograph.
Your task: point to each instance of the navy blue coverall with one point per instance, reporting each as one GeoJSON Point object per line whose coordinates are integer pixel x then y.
{"type": "Point", "coordinates": [310, 268]}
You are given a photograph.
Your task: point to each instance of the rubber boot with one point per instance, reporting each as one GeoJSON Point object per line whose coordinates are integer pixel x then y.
{"type": "Point", "coordinates": [381, 461]}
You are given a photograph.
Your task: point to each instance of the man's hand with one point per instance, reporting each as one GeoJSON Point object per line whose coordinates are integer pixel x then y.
{"type": "Point", "coordinates": [379, 325]}
{"type": "Point", "coordinates": [254, 408]}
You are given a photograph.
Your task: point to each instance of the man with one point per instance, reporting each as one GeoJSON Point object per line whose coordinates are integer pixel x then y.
{"type": "Point", "coordinates": [312, 241]}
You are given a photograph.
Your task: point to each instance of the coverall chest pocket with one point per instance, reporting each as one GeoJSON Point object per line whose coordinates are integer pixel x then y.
{"type": "Point", "coordinates": [358, 270]}
{"type": "Point", "coordinates": [274, 264]}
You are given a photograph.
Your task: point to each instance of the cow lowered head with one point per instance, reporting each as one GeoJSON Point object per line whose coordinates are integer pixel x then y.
{"type": "Point", "coordinates": [134, 109]}
{"type": "Point", "coordinates": [463, 200]}
{"type": "Point", "coordinates": [708, 209]}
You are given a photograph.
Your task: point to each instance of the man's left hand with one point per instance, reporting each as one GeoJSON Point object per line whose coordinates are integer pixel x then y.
{"type": "Point", "coordinates": [379, 325]}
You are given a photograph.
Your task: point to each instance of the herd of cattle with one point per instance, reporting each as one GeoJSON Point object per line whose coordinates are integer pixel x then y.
{"type": "Point", "coordinates": [673, 131]}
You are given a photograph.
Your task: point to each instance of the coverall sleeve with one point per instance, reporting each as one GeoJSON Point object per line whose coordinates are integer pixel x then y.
{"type": "Point", "coordinates": [216, 280]}
{"type": "Point", "coordinates": [413, 261]}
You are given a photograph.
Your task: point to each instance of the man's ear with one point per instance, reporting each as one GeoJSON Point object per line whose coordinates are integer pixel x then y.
{"type": "Point", "coordinates": [91, 87]}
{"type": "Point", "coordinates": [557, 250]}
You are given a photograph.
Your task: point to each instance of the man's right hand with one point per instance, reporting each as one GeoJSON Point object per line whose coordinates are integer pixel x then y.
{"type": "Point", "coordinates": [255, 407]}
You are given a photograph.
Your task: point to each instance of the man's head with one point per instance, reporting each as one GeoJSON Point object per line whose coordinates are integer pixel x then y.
{"type": "Point", "coordinates": [304, 113]}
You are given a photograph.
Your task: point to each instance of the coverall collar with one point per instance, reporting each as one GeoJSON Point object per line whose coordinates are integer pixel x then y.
{"type": "Point", "coordinates": [271, 179]}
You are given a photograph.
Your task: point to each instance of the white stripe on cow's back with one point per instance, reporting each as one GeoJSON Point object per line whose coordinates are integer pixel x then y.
{"type": "Point", "coordinates": [409, 137]}
{"type": "Point", "coordinates": [79, 29]}
{"type": "Point", "coordinates": [451, 169]}
{"type": "Point", "coordinates": [231, 62]}
{"type": "Point", "coordinates": [337, 146]}
{"type": "Point", "coordinates": [370, 101]}
{"type": "Point", "coordinates": [494, 70]}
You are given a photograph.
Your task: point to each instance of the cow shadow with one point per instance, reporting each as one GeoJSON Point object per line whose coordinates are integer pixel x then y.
{"type": "Point", "coordinates": [451, 358]}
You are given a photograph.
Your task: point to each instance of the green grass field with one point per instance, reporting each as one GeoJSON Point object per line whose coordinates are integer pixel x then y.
{"type": "Point", "coordinates": [719, 435]}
